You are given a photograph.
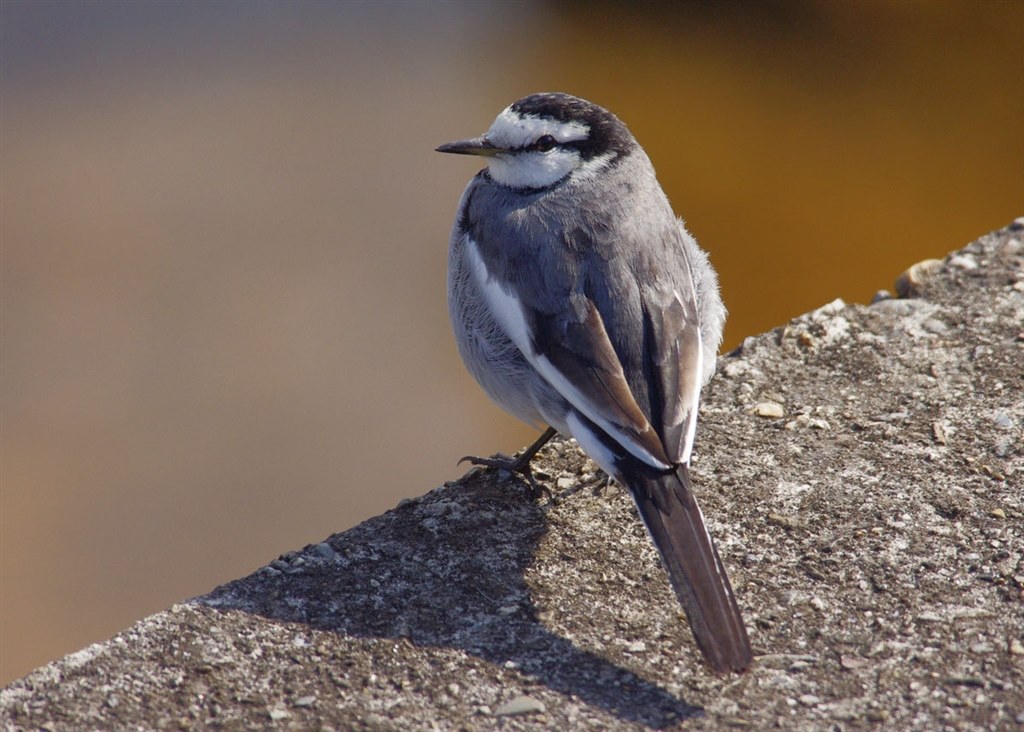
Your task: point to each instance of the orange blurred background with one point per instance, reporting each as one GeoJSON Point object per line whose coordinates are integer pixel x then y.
{"type": "Point", "coordinates": [224, 233]}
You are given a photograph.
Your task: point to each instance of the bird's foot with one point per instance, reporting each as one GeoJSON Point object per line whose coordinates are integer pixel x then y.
{"type": "Point", "coordinates": [515, 465]}
{"type": "Point", "coordinates": [601, 482]}
{"type": "Point", "coordinates": [519, 465]}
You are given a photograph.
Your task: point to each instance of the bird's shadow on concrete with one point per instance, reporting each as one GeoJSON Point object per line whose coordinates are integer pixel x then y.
{"type": "Point", "coordinates": [448, 571]}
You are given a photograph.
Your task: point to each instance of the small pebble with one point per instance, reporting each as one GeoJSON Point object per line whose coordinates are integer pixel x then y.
{"type": "Point", "coordinates": [276, 715]}
{"type": "Point", "coordinates": [852, 662]}
{"type": "Point", "coordinates": [1011, 247]}
{"type": "Point", "coordinates": [735, 368]}
{"type": "Point", "coordinates": [785, 522]}
{"type": "Point", "coordinates": [1016, 647]}
{"type": "Point", "coordinates": [304, 701]}
{"type": "Point", "coordinates": [911, 282]}
{"type": "Point", "coordinates": [636, 647]}
{"type": "Point", "coordinates": [997, 513]}
{"type": "Point", "coordinates": [803, 420]}
{"type": "Point", "coordinates": [520, 705]}
{"type": "Point", "coordinates": [437, 508]}
{"type": "Point", "coordinates": [769, 409]}
{"type": "Point", "coordinates": [324, 550]}
{"type": "Point", "coordinates": [809, 700]}
{"type": "Point", "coordinates": [1002, 419]}
{"type": "Point", "coordinates": [934, 325]}
{"type": "Point", "coordinates": [963, 261]}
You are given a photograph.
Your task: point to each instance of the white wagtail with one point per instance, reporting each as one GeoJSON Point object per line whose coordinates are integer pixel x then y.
{"type": "Point", "coordinates": [580, 301]}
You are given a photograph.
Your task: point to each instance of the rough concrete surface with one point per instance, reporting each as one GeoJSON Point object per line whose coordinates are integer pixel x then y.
{"type": "Point", "coordinates": [862, 469]}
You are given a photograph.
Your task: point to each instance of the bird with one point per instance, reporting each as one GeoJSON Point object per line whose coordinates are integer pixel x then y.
{"type": "Point", "coordinates": [578, 300]}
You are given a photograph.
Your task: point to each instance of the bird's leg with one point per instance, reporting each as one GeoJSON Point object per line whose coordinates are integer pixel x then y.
{"type": "Point", "coordinates": [601, 483]}
{"type": "Point", "coordinates": [520, 465]}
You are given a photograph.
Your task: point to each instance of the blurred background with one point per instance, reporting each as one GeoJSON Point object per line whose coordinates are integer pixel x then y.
{"type": "Point", "coordinates": [224, 234]}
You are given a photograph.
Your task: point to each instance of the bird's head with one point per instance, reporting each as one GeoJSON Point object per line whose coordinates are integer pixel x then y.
{"type": "Point", "coordinates": [544, 139]}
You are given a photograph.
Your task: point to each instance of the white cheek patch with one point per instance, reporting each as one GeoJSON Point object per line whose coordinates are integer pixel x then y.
{"type": "Point", "coordinates": [525, 169]}
{"type": "Point", "coordinates": [513, 130]}
{"type": "Point", "coordinates": [532, 169]}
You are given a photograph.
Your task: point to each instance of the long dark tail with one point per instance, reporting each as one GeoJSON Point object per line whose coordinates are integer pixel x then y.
{"type": "Point", "coordinates": [673, 518]}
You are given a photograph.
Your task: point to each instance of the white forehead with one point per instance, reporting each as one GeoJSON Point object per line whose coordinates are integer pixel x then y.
{"type": "Point", "coordinates": [512, 129]}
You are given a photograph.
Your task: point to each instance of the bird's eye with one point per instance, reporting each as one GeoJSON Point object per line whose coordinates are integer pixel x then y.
{"type": "Point", "coordinates": [545, 143]}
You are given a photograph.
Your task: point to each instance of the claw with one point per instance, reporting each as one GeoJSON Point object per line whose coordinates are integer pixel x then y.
{"type": "Point", "coordinates": [498, 461]}
{"type": "Point", "coordinates": [516, 466]}
{"type": "Point", "coordinates": [519, 465]}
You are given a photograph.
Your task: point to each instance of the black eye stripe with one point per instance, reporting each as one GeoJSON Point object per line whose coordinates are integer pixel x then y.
{"type": "Point", "coordinates": [605, 132]}
{"type": "Point", "coordinates": [544, 143]}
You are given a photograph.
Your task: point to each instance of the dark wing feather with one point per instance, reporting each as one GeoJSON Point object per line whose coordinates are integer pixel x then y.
{"type": "Point", "coordinates": [674, 354]}
{"type": "Point", "coordinates": [580, 350]}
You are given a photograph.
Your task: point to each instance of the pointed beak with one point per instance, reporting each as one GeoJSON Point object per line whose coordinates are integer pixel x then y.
{"type": "Point", "coordinates": [472, 146]}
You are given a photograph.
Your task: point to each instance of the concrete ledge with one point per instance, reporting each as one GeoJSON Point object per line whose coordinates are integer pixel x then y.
{"type": "Point", "coordinates": [862, 468]}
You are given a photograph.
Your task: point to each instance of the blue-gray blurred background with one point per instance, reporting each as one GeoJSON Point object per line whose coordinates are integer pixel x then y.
{"type": "Point", "coordinates": [224, 232]}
